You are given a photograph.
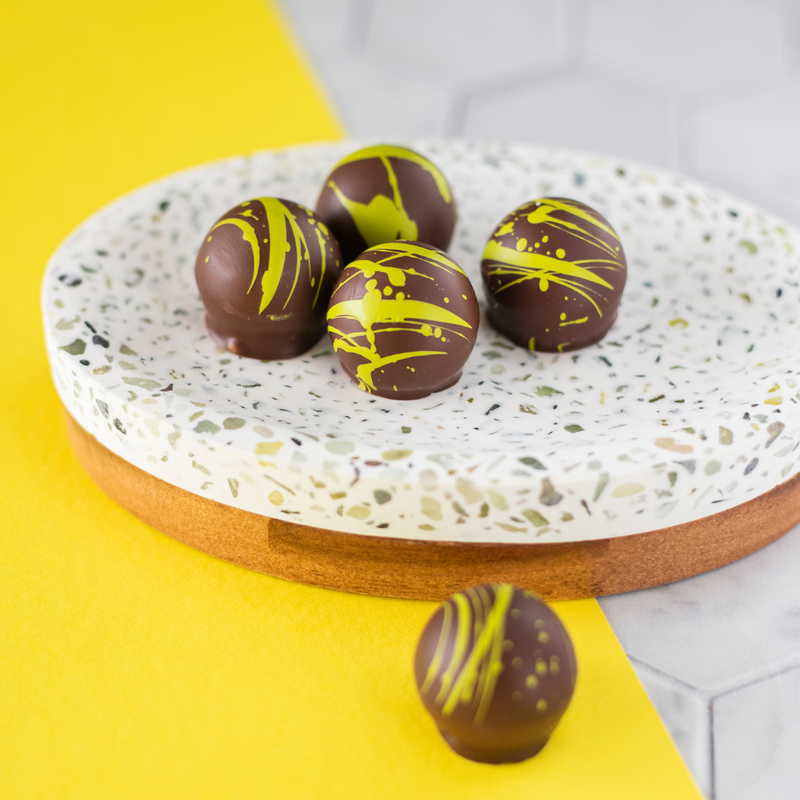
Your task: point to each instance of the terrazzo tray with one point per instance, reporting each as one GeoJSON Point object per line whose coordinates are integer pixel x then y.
{"type": "Point", "coordinates": [667, 449]}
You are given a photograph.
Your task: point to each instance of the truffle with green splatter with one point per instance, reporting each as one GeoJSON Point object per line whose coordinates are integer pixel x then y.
{"type": "Point", "coordinates": [265, 272]}
{"type": "Point", "coordinates": [403, 319]}
{"type": "Point", "coordinates": [383, 193]}
{"type": "Point", "coordinates": [553, 271]}
{"type": "Point", "coordinates": [496, 670]}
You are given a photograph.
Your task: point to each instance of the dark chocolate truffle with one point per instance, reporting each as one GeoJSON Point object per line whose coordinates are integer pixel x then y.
{"type": "Point", "coordinates": [383, 193]}
{"type": "Point", "coordinates": [553, 272]}
{"type": "Point", "coordinates": [265, 273]}
{"type": "Point", "coordinates": [403, 320]}
{"type": "Point", "coordinates": [496, 669]}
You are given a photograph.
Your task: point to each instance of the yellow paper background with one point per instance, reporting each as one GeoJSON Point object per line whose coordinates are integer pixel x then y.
{"type": "Point", "coordinates": [131, 666]}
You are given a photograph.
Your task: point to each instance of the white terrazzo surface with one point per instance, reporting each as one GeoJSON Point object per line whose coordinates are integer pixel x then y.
{"type": "Point", "coordinates": [710, 88]}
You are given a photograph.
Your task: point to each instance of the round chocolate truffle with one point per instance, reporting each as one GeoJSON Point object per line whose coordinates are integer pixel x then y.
{"type": "Point", "coordinates": [265, 273]}
{"type": "Point", "coordinates": [553, 272]}
{"type": "Point", "coordinates": [496, 669]}
{"type": "Point", "coordinates": [403, 320]}
{"type": "Point", "coordinates": [383, 193]}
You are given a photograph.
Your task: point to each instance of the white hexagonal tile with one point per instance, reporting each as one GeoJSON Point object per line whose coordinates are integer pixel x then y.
{"type": "Point", "coordinates": [373, 101]}
{"type": "Point", "coordinates": [718, 631]}
{"type": "Point", "coordinates": [462, 43]}
{"type": "Point", "coordinates": [757, 739]}
{"type": "Point", "coordinates": [752, 140]}
{"type": "Point", "coordinates": [323, 28]}
{"type": "Point", "coordinates": [685, 47]}
{"type": "Point", "coordinates": [685, 714]}
{"type": "Point", "coordinates": [579, 111]}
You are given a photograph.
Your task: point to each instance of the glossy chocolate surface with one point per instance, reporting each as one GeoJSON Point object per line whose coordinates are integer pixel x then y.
{"type": "Point", "coordinates": [403, 319]}
{"type": "Point", "coordinates": [496, 670]}
{"type": "Point", "coordinates": [384, 193]}
{"type": "Point", "coordinates": [553, 273]}
{"type": "Point", "coordinates": [265, 273]}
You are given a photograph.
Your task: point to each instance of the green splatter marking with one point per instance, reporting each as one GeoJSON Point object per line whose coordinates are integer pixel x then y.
{"type": "Point", "coordinates": [278, 218]}
{"type": "Point", "coordinates": [374, 308]}
{"type": "Point", "coordinates": [581, 277]}
{"type": "Point", "coordinates": [531, 462]}
{"type": "Point", "coordinates": [549, 496]}
{"type": "Point", "coordinates": [76, 348]}
{"type": "Point", "coordinates": [468, 490]}
{"type": "Point", "coordinates": [459, 509]}
{"type": "Point", "coordinates": [547, 391]}
{"type": "Point", "coordinates": [774, 430]}
{"type": "Point", "coordinates": [535, 518]}
{"type": "Point", "coordinates": [339, 447]}
{"type": "Point", "coordinates": [385, 219]}
{"type": "Point", "coordinates": [627, 489]}
{"type": "Point", "coordinates": [469, 676]}
{"type": "Point", "coordinates": [67, 324]}
{"type": "Point", "coordinates": [381, 496]}
{"type": "Point", "coordinates": [358, 512]}
{"type": "Point", "coordinates": [507, 526]}
{"type": "Point", "coordinates": [144, 383]}
{"type": "Point", "coordinates": [206, 426]}
{"type": "Point", "coordinates": [497, 500]}
{"type": "Point", "coordinates": [396, 455]}
{"type": "Point", "coordinates": [671, 445]}
{"type": "Point", "coordinates": [431, 508]}
{"type": "Point", "coordinates": [601, 484]}
{"type": "Point", "coordinates": [749, 246]}
{"type": "Point", "coordinates": [573, 428]}
{"type": "Point", "coordinates": [268, 448]}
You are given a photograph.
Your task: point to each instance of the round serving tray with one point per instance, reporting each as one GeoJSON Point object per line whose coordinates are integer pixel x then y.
{"type": "Point", "coordinates": [667, 449]}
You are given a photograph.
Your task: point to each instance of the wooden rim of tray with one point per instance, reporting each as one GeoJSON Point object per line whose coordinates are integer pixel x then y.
{"type": "Point", "coordinates": [429, 570]}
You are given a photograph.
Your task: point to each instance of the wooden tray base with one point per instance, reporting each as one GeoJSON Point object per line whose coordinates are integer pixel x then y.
{"type": "Point", "coordinates": [426, 570]}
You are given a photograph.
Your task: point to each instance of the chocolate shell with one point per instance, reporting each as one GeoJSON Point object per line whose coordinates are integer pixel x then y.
{"type": "Point", "coordinates": [403, 319]}
{"type": "Point", "coordinates": [265, 273]}
{"type": "Point", "coordinates": [496, 670]}
{"type": "Point", "coordinates": [553, 273]}
{"type": "Point", "coordinates": [384, 193]}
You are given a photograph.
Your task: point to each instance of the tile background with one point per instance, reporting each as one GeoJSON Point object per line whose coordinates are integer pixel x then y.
{"type": "Point", "coordinates": [710, 88]}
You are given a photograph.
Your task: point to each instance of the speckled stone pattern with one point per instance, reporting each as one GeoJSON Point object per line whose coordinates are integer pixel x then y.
{"type": "Point", "coordinates": [687, 407]}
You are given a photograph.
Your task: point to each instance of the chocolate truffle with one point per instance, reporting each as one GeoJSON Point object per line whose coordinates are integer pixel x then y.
{"type": "Point", "coordinates": [553, 272]}
{"type": "Point", "coordinates": [265, 273]}
{"type": "Point", "coordinates": [383, 193]}
{"type": "Point", "coordinates": [496, 669]}
{"type": "Point", "coordinates": [403, 320]}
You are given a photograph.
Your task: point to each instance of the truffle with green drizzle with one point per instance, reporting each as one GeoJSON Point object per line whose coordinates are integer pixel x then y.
{"type": "Point", "coordinates": [403, 319]}
{"type": "Point", "coordinates": [553, 271]}
{"type": "Point", "coordinates": [496, 670]}
{"type": "Point", "coordinates": [265, 272]}
{"type": "Point", "coordinates": [383, 193]}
